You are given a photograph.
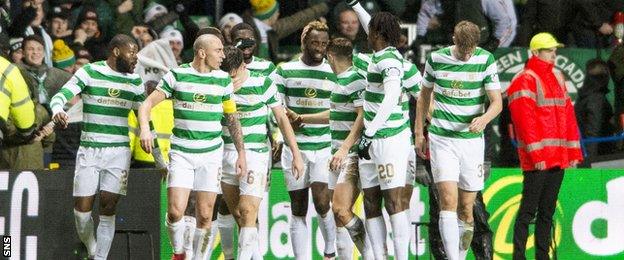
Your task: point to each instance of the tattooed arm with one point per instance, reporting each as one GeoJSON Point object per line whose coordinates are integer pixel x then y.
{"type": "Point", "coordinates": [236, 132]}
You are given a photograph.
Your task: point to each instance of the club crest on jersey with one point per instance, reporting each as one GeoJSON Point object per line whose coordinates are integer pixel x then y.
{"type": "Point", "coordinates": [310, 92]}
{"type": "Point", "coordinates": [113, 92]}
{"type": "Point", "coordinates": [456, 84]}
{"type": "Point", "coordinates": [199, 98]}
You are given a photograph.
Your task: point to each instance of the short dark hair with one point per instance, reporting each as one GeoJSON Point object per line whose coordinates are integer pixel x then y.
{"type": "Point", "coordinates": [121, 40]}
{"type": "Point", "coordinates": [210, 30]}
{"type": "Point", "coordinates": [35, 38]}
{"type": "Point", "coordinates": [387, 26]}
{"type": "Point", "coordinates": [342, 47]}
{"type": "Point", "coordinates": [241, 27]}
{"type": "Point", "coordinates": [233, 58]}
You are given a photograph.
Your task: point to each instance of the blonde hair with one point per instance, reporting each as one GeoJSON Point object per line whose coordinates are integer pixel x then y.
{"type": "Point", "coordinates": [314, 25]}
{"type": "Point", "coordinates": [466, 35]}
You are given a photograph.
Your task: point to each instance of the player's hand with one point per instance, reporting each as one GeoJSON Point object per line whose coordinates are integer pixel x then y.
{"type": "Point", "coordinates": [147, 140]}
{"type": "Point", "coordinates": [46, 130]}
{"type": "Point", "coordinates": [540, 166]}
{"type": "Point", "coordinates": [420, 145]}
{"type": "Point", "coordinates": [478, 124]}
{"type": "Point", "coordinates": [276, 152]}
{"type": "Point", "coordinates": [337, 158]}
{"type": "Point", "coordinates": [364, 147]}
{"type": "Point", "coordinates": [295, 119]}
{"type": "Point", "coordinates": [297, 166]}
{"type": "Point", "coordinates": [574, 163]}
{"type": "Point", "coordinates": [241, 165]}
{"type": "Point", "coordinates": [61, 119]}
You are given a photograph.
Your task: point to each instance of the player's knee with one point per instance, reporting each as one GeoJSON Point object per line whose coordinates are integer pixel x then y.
{"type": "Point", "coordinates": [342, 213]}
{"type": "Point", "coordinates": [464, 212]}
{"type": "Point", "coordinates": [448, 202]}
{"type": "Point", "coordinates": [204, 216]}
{"type": "Point", "coordinates": [174, 214]}
{"type": "Point", "coordinates": [321, 203]}
{"type": "Point", "coordinates": [107, 206]}
{"type": "Point", "coordinates": [372, 208]}
{"type": "Point", "coordinates": [393, 206]}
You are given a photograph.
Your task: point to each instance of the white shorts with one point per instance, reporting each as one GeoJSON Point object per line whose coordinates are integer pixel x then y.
{"type": "Point", "coordinates": [104, 168]}
{"type": "Point", "coordinates": [390, 156]}
{"type": "Point", "coordinates": [348, 173]}
{"type": "Point", "coordinates": [257, 167]}
{"type": "Point", "coordinates": [457, 160]}
{"type": "Point", "coordinates": [368, 174]}
{"type": "Point", "coordinates": [411, 168]}
{"type": "Point", "coordinates": [195, 171]}
{"type": "Point", "coordinates": [316, 168]}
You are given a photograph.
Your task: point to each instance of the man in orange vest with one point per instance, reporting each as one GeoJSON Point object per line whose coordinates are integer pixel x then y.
{"type": "Point", "coordinates": [548, 141]}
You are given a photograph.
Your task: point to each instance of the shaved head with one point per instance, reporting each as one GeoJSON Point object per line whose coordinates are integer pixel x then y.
{"type": "Point", "coordinates": [209, 48]}
{"type": "Point", "coordinates": [206, 40]}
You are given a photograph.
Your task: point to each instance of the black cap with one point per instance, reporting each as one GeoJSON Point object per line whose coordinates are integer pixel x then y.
{"type": "Point", "coordinates": [59, 12]}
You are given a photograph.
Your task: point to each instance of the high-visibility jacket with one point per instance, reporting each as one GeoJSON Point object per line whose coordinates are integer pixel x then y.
{"type": "Point", "coordinates": [15, 99]}
{"type": "Point", "coordinates": [162, 119]}
{"type": "Point", "coordinates": [543, 117]}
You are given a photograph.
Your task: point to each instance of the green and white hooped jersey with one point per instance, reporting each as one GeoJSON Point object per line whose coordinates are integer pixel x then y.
{"type": "Point", "coordinates": [197, 107]}
{"type": "Point", "coordinates": [306, 90]}
{"type": "Point", "coordinates": [459, 90]}
{"type": "Point", "coordinates": [345, 97]}
{"type": "Point", "coordinates": [261, 65]}
{"type": "Point", "coordinates": [411, 84]}
{"type": "Point", "coordinates": [411, 77]}
{"type": "Point", "coordinates": [108, 96]}
{"type": "Point", "coordinates": [253, 100]}
{"type": "Point", "coordinates": [381, 63]}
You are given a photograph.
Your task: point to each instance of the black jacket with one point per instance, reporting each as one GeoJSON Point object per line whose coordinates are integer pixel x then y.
{"type": "Point", "coordinates": [594, 113]}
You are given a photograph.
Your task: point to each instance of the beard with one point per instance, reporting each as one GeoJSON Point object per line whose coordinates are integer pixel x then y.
{"type": "Point", "coordinates": [123, 66]}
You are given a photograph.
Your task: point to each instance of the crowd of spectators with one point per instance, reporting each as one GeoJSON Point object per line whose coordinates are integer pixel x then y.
{"type": "Point", "coordinates": [49, 40]}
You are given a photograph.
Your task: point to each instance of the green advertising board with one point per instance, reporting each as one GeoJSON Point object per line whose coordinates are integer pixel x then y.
{"type": "Point", "coordinates": [589, 220]}
{"type": "Point", "coordinates": [571, 62]}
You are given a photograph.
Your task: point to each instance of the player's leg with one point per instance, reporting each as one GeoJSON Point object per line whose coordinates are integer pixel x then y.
{"type": "Point", "coordinates": [321, 197]}
{"type": "Point", "coordinates": [466, 220]}
{"type": "Point", "coordinates": [106, 227]}
{"type": "Point", "coordinates": [298, 190]}
{"type": "Point", "coordinates": [202, 237]}
{"type": "Point", "coordinates": [252, 189]}
{"type": "Point", "coordinates": [86, 179]}
{"type": "Point", "coordinates": [189, 225]}
{"type": "Point", "coordinates": [375, 224]}
{"type": "Point", "coordinates": [343, 199]}
{"type": "Point", "coordinates": [113, 184]}
{"type": "Point", "coordinates": [445, 170]}
{"type": "Point", "coordinates": [206, 184]}
{"type": "Point", "coordinates": [84, 222]}
{"type": "Point", "coordinates": [409, 180]}
{"type": "Point", "coordinates": [345, 194]}
{"type": "Point", "coordinates": [470, 182]}
{"type": "Point", "coordinates": [390, 156]}
{"type": "Point", "coordinates": [180, 183]}
{"type": "Point", "coordinates": [228, 214]}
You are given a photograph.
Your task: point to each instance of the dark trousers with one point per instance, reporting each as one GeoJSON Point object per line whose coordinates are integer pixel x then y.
{"type": "Point", "coordinates": [539, 195]}
{"type": "Point", "coordinates": [482, 239]}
